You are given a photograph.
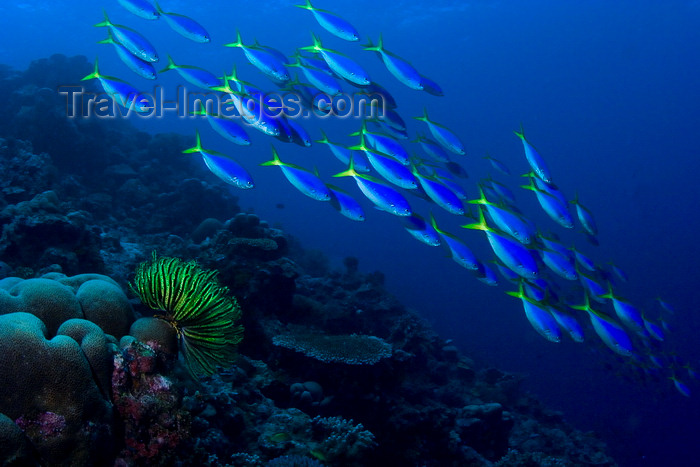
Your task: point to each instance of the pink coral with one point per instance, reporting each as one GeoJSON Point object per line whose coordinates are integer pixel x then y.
{"type": "Point", "coordinates": [46, 424]}
{"type": "Point", "coordinates": [149, 405]}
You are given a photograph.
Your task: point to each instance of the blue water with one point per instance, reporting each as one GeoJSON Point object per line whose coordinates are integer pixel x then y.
{"type": "Point", "coordinates": [608, 93]}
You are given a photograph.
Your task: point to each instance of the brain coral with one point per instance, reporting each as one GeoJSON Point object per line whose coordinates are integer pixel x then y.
{"type": "Point", "coordinates": [56, 298]}
{"type": "Point", "coordinates": [47, 387]}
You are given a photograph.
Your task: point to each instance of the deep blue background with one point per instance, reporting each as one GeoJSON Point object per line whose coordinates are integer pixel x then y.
{"type": "Point", "coordinates": [607, 91]}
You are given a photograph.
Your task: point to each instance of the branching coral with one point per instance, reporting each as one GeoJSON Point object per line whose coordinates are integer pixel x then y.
{"type": "Point", "coordinates": [197, 306]}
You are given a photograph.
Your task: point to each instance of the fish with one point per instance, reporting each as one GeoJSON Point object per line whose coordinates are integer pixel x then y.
{"type": "Point", "coordinates": [539, 316]}
{"type": "Point", "coordinates": [226, 127]}
{"type": "Point", "coordinates": [141, 67]}
{"type": "Point", "coordinates": [653, 329]}
{"type": "Point", "coordinates": [252, 109]}
{"type": "Point", "coordinates": [432, 148]}
{"type": "Point", "coordinates": [382, 195]}
{"type": "Point", "coordinates": [439, 193]}
{"type": "Point", "coordinates": [389, 168]}
{"type": "Point", "coordinates": [185, 26]}
{"type": "Point", "coordinates": [558, 258]}
{"type": "Point", "coordinates": [243, 87]}
{"type": "Point", "coordinates": [550, 203]}
{"type": "Point", "coordinates": [391, 122]}
{"type": "Point", "coordinates": [500, 190]}
{"type": "Point", "coordinates": [303, 180]}
{"type": "Point", "coordinates": [666, 306]}
{"type": "Point", "coordinates": [384, 144]}
{"type": "Point", "coordinates": [445, 177]}
{"type": "Point", "coordinates": [281, 437]}
{"type": "Point", "coordinates": [132, 40]}
{"type": "Point", "coordinates": [431, 87]}
{"type": "Point", "coordinates": [314, 62]}
{"type": "Point", "coordinates": [373, 89]}
{"type": "Point", "coordinates": [121, 92]}
{"type": "Point", "coordinates": [536, 161]}
{"type": "Point", "coordinates": [509, 275]}
{"type": "Point", "coordinates": [332, 23]}
{"type": "Point", "coordinates": [421, 230]}
{"type": "Point", "coordinates": [583, 260]}
{"type": "Point", "coordinates": [513, 254]}
{"type": "Point", "coordinates": [498, 165]}
{"type": "Point", "coordinates": [591, 286]}
{"type": "Point", "coordinates": [629, 315]}
{"type": "Point", "coordinates": [444, 136]}
{"type": "Point", "coordinates": [345, 204]}
{"type": "Point", "coordinates": [294, 132]}
{"type": "Point", "coordinates": [569, 323]}
{"type": "Point", "coordinates": [460, 253]}
{"type": "Point", "coordinates": [397, 66]}
{"type": "Point", "coordinates": [560, 264]}
{"type": "Point", "coordinates": [140, 8]}
{"type": "Point", "coordinates": [344, 154]}
{"type": "Point", "coordinates": [486, 275]}
{"type": "Point", "coordinates": [194, 75]}
{"type": "Point", "coordinates": [607, 329]}
{"type": "Point", "coordinates": [585, 217]}
{"type": "Point", "coordinates": [680, 386]}
{"type": "Point", "coordinates": [221, 165]}
{"type": "Point", "coordinates": [341, 64]}
{"type": "Point", "coordinates": [622, 275]}
{"type": "Point", "coordinates": [265, 61]}
{"type": "Point", "coordinates": [506, 220]}
{"type": "Point", "coordinates": [318, 78]}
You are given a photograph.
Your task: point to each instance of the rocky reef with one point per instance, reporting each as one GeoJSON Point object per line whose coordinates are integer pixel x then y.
{"type": "Point", "coordinates": [332, 369]}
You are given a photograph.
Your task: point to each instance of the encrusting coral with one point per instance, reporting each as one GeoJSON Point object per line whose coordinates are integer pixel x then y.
{"type": "Point", "coordinates": [197, 306]}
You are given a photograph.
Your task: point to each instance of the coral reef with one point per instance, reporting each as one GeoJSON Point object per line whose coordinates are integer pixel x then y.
{"type": "Point", "coordinates": [89, 377]}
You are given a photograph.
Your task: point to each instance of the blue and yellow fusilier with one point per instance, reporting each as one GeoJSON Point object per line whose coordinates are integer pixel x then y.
{"type": "Point", "coordinates": [124, 94]}
{"type": "Point", "coordinates": [141, 8]}
{"type": "Point", "coordinates": [318, 78]}
{"type": "Point", "coordinates": [222, 166]}
{"type": "Point", "coordinates": [341, 64]}
{"type": "Point", "coordinates": [345, 204]}
{"type": "Point", "coordinates": [185, 26]}
{"type": "Point", "coordinates": [141, 67]}
{"type": "Point", "coordinates": [383, 196]}
{"type": "Point", "coordinates": [460, 253]}
{"type": "Point", "coordinates": [442, 134]}
{"type": "Point", "coordinates": [251, 109]}
{"type": "Point", "coordinates": [534, 159]}
{"type": "Point", "coordinates": [344, 154]}
{"type": "Point", "coordinates": [607, 329]}
{"type": "Point", "coordinates": [585, 217]}
{"type": "Point", "coordinates": [506, 220]}
{"type": "Point", "coordinates": [132, 40]}
{"type": "Point", "coordinates": [388, 167]}
{"type": "Point", "coordinates": [513, 254]}
{"type": "Point", "coordinates": [332, 23]}
{"type": "Point", "coordinates": [226, 127]}
{"type": "Point", "coordinates": [197, 76]}
{"type": "Point", "coordinates": [384, 144]}
{"type": "Point", "coordinates": [421, 230]}
{"type": "Point", "coordinates": [397, 66]}
{"type": "Point", "coordinates": [539, 316]}
{"type": "Point", "coordinates": [262, 59]}
{"type": "Point", "coordinates": [303, 180]}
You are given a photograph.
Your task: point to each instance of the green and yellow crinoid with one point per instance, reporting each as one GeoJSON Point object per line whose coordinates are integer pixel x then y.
{"type": "Point", "coordinates": [193, 301]}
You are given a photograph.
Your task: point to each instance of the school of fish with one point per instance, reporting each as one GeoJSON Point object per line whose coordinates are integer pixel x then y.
{"type": "Point", "coordinates": [562, 291]}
